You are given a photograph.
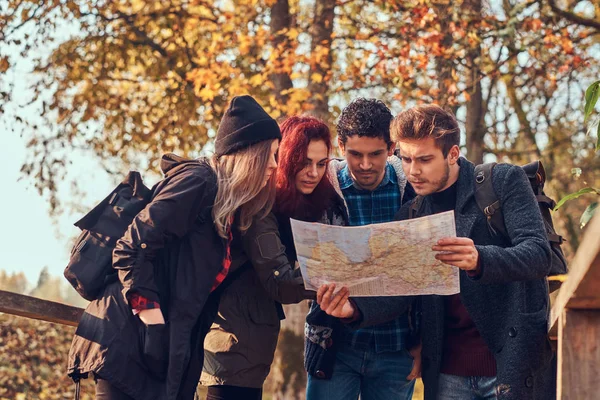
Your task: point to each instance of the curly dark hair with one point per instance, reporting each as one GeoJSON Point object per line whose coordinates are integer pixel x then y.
{"type": "Point", "coordinates": [365, 117]}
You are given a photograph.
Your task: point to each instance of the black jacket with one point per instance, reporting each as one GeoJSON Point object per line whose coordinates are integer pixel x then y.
{"type": "Point", "coordinates": [170, 253]}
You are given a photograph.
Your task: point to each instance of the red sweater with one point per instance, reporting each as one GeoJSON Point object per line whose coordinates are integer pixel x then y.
{"type": "Point", "coordinates": [465, 353]}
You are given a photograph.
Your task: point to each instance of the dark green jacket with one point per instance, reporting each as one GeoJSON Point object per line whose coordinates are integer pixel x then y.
{"type": "Point", "coordinates": [240, 346]}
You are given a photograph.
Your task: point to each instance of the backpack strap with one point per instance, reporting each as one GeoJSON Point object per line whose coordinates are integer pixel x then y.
{"type": "Point", "coordinates": [542, 199]}
{"type": "Point", "coordinates": [415, 207]}
{"type": "Point", "coordinates": [487, 200]}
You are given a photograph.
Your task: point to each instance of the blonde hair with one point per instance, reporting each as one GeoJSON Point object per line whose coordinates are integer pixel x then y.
{"type": "Point", "coordinates": [240, 178]}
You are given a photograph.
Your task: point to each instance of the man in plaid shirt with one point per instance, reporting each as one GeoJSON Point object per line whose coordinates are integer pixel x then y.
{"type": "Point", "coordinates": [371, 362]}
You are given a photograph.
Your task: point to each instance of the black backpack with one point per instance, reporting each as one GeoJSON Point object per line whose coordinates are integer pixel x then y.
{"type": "Point", "coordinates": [488, 202]}
{"type": "Point", "coordinates": [490, 205]}
{"type": "Point", "coordinates": [90, 266]}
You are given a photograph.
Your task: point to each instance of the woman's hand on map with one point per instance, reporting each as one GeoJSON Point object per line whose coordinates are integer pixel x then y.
{"type": "Point", "coordinates": [335, 304]}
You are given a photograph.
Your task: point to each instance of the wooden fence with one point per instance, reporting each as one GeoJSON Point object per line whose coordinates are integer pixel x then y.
{"type": "Point", "coordinates": [575, 318]}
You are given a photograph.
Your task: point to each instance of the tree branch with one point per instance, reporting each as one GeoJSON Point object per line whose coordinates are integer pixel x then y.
{"type": "Point", "coordinates": [571, 16]}
{"type": "Point", "coordinates": [32, 16]}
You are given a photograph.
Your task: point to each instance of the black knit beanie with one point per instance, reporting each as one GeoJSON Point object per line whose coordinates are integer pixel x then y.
{"type": "Point", "coordinates": [245, 123]}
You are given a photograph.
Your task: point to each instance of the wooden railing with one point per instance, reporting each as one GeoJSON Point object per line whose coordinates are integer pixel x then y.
{"type": "Point", "coordinates": [32, 307]}
{"type": "Point", "coordinates": [575, 318]}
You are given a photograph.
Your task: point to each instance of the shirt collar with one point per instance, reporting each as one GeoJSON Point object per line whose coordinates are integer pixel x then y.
{"type": "Point", "coordinates": [346, 180]}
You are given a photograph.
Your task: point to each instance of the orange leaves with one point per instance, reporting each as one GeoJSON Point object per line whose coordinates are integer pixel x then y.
{"type": "Point", "coordinates": [561, 41]}
{"type": "Point", "coordinates": [566, 44]}
{"type": "Point", "coordinates": [292, 34]}
{"type": "Point", "coordinates": [532, 24]}
{"type": "Point", "coordinates": [4, 64]}
{"type": "Point", "coordinates": [316, 77]}
{"type": "Point", "coordinates": [207, 82]}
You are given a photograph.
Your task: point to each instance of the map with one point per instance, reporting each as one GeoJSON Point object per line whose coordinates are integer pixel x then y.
{"type": "Point", "coordinates": [389, 259]}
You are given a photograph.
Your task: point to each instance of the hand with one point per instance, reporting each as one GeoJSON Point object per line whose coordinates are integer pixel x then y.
{"type": "Point", "coordinates": [152, 316]}
{"type": "Point", "coordinates": [336, 305]}
{"type": "Point", "coordinates": [415, 352]}
{"type": "Point", "coordinates": [459, 252]}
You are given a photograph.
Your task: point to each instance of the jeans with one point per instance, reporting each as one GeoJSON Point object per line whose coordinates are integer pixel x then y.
{"type": "Point", "coordinates": [452, 387]}
{"type": "Point", "coordinates": [373, 376]}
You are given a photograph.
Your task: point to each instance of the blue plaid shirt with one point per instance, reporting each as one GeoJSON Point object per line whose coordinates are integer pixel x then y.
{"type": "Point", "coordinates": [371, 207]}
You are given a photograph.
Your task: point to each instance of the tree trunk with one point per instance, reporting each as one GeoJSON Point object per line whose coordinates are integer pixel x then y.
{"type": "Point", "coordinates": [476, 109]}
{"type": "Point", "coordinates": [443, 65]}
{"type": "Point", "coordinates": [321, 59]}
{"type": "Point", "coordinates": [280, 19]}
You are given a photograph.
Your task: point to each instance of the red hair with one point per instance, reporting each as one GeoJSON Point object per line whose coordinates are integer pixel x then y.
{"type": "Point", "coordinates": [297, 132]}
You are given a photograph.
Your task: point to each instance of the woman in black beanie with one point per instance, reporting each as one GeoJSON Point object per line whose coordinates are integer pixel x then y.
{"type": "Point", "coordinates": [240, 345]}
{"type": "Point", "coordinates": [142, 338]}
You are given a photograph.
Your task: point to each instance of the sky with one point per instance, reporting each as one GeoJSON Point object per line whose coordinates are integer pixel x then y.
{"type": "Point", "coordinates": [30, 239]}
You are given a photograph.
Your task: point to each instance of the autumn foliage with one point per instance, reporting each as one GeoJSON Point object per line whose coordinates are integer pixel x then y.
{"type": "Point", "coordinates": [33, 361]}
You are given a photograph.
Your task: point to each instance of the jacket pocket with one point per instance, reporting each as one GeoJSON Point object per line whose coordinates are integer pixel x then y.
{"type": "Point", "coordinates": [527, 341]}
{"type": "Point", "coordinates": [89, 265]}
{"type": "Point", "coordinates": [154, 347]}
{"type": "Point", "coordinates": [263, 311]}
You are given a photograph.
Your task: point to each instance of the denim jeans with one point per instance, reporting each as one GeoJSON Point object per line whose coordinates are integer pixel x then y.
{"type": "Point", "coordinates": [373, 376]}
{"type": "Point", "coordinates": [452, 387]}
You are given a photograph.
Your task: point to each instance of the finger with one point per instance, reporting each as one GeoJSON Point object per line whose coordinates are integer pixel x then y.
{"type": "Point", "coordinates": [455, 241]}
{"type": "Point", "coordinates": [320, 292]}
{"type": "Point", "coordinates": [453, 248]}
{"type": "Point", "coordinates": [337, 302]}
{"type": "Point", "coordinates": [460, 265]}
{"type": "Point", "coordinates": [450, 257]}
{"type": "Point", "coordinates": [467, 259]}
{"type": "Point", "coordinates": [327, 296]}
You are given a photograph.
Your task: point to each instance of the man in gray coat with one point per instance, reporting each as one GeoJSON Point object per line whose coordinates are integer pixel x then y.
{"type": "Point", "coordinates": [489, 341]}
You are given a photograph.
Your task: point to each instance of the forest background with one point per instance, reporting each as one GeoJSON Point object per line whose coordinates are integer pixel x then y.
{"type": "Point", "coordinates": [91, 89]}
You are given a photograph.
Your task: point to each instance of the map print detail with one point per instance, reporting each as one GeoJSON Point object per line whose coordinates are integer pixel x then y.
{"type": "Point", "coordinates": [390, 259]}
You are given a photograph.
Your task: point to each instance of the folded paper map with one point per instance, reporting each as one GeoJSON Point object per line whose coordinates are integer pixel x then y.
{"type": "Point", "coordinates": [390, 259]}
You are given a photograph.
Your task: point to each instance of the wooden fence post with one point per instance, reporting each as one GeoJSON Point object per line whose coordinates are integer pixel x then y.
{"type": "Point", "coordinates": [579, 355]}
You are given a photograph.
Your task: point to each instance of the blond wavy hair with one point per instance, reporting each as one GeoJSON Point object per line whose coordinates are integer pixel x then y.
{"type": "Point", "coordinates": [240, 178]}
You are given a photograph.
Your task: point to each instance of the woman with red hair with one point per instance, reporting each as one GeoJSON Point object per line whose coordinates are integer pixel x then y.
{"type": "Point", "coordinates": [304, 191]}
{"type": "Point", "coordinates": [240, 346]}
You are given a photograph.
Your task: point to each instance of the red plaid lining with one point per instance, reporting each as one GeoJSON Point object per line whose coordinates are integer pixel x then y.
{"type": "Point", "coordinates": [226, 262]}
{"type": "Point", "coordinates": [139, 303]}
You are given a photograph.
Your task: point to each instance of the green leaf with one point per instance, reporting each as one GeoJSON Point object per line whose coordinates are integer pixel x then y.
{"type": "Point", "coordinates": [588, 214]}
{"type": "Point", "coordinates": [591, 97]}
{"type": "Point", "coordinates": [598, 139]}
{"type": "Point", "coordinates": [576, 195]}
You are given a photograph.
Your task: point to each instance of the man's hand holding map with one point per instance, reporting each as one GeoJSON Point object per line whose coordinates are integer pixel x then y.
{"type": "Point", "coordinates": [389, 259]}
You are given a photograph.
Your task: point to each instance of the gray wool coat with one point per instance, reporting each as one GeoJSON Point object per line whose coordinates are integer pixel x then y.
{"type": "Point", "coordinates": [508, 301]}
